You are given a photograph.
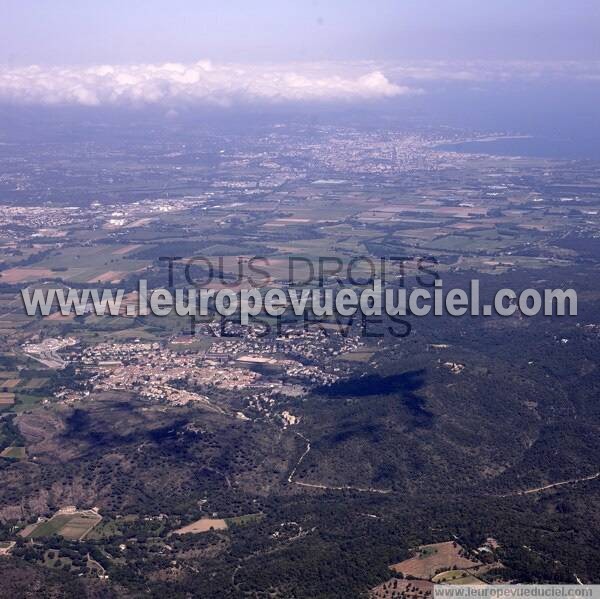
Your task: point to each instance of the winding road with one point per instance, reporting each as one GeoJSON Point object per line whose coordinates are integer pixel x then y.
{"type": "Point", "coordinates": [327, 487]}
{"type": "Point", "coordinates": [571, 481]}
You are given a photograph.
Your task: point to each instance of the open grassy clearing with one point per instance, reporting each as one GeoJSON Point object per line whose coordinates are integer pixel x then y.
{"type": "Point", "coordinates": [14, 453]}
{"type": "Point", "coordinates": [24, 402]}
{"type": "Point", "coordinates": [242, 520]}
{"type": "Point", "coordinates": [104, 530]}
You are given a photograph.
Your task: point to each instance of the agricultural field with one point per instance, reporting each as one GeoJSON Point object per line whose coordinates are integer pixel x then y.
{"type": "Point", "coordinates": [456, 577]}
{"type": "Point", "coordinates": [71, 525]}
{"type": "Point", "coordinates": [94, 264]}
{"type": "Point", "coordinates": [104, 530]}
{"type": "Point", "coordinates": [6, 399]}
{"type": "Point", "coordinates": [429, 560]}
{"type": "Point", "coordinates": [14, 453]}
{"type": "Point", "coordinates": [25, 401]}
{"type": "Point", "coordinates": [202, 525]}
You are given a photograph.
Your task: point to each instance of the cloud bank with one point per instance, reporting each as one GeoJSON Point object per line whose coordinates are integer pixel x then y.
{"type": "Point", "coordinates": [198, 83]}
{"type": "Point", "coordinates": [492, 71]}
{"type": "Point", "coordinates": [226, 84]}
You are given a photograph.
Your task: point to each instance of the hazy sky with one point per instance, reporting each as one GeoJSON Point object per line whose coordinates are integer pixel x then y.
{"type": "Point", "coordinates": [142, 52]}
{"type": "Point", "coordinates": [76, 32]}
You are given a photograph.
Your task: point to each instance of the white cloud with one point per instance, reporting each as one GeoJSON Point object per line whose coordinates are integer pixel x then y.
{"type": "Point", "coordinates": [224, 84]}
{"type": "Point", "coordinates": [201, 82]}
{"type": "Point", "coordinates": [492, 71]}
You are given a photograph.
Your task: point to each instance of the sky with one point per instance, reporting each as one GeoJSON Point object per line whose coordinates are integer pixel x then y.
{"type": "Point", "coordinates": [140, 52]}
{"type": "Point", "coordinates": [76, 32]}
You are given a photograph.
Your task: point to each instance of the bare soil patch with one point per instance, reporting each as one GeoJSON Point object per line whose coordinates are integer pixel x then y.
{"type": "Point", "coordinates": [18, 275]}
{"type": "Point", "coordinates": [429, 560]}
{"type": "Point", "coordinates": [203, 525]}
{"type": "Point", "coordinates": [127, 249]}
{"type": "Point", "coordinates": [110, 276]}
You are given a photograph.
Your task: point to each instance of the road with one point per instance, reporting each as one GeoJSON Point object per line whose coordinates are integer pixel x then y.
{"type": "Point", "coordinates": [327, 487]}
{"type": "Point", "coordinates": [571, 481]}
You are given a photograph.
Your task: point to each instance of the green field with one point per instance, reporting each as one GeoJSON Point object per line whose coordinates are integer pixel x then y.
{"type": "Point", "coordinates": [26, 402]}
{"type": "Point", "coordinates": [456, 577]}
{"type": "Point", "coordinates": [104, 530]}
{"type": "Point", "coordinates": [71, 526]}
{"type": "Point", "coordinates": [242, 520]}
